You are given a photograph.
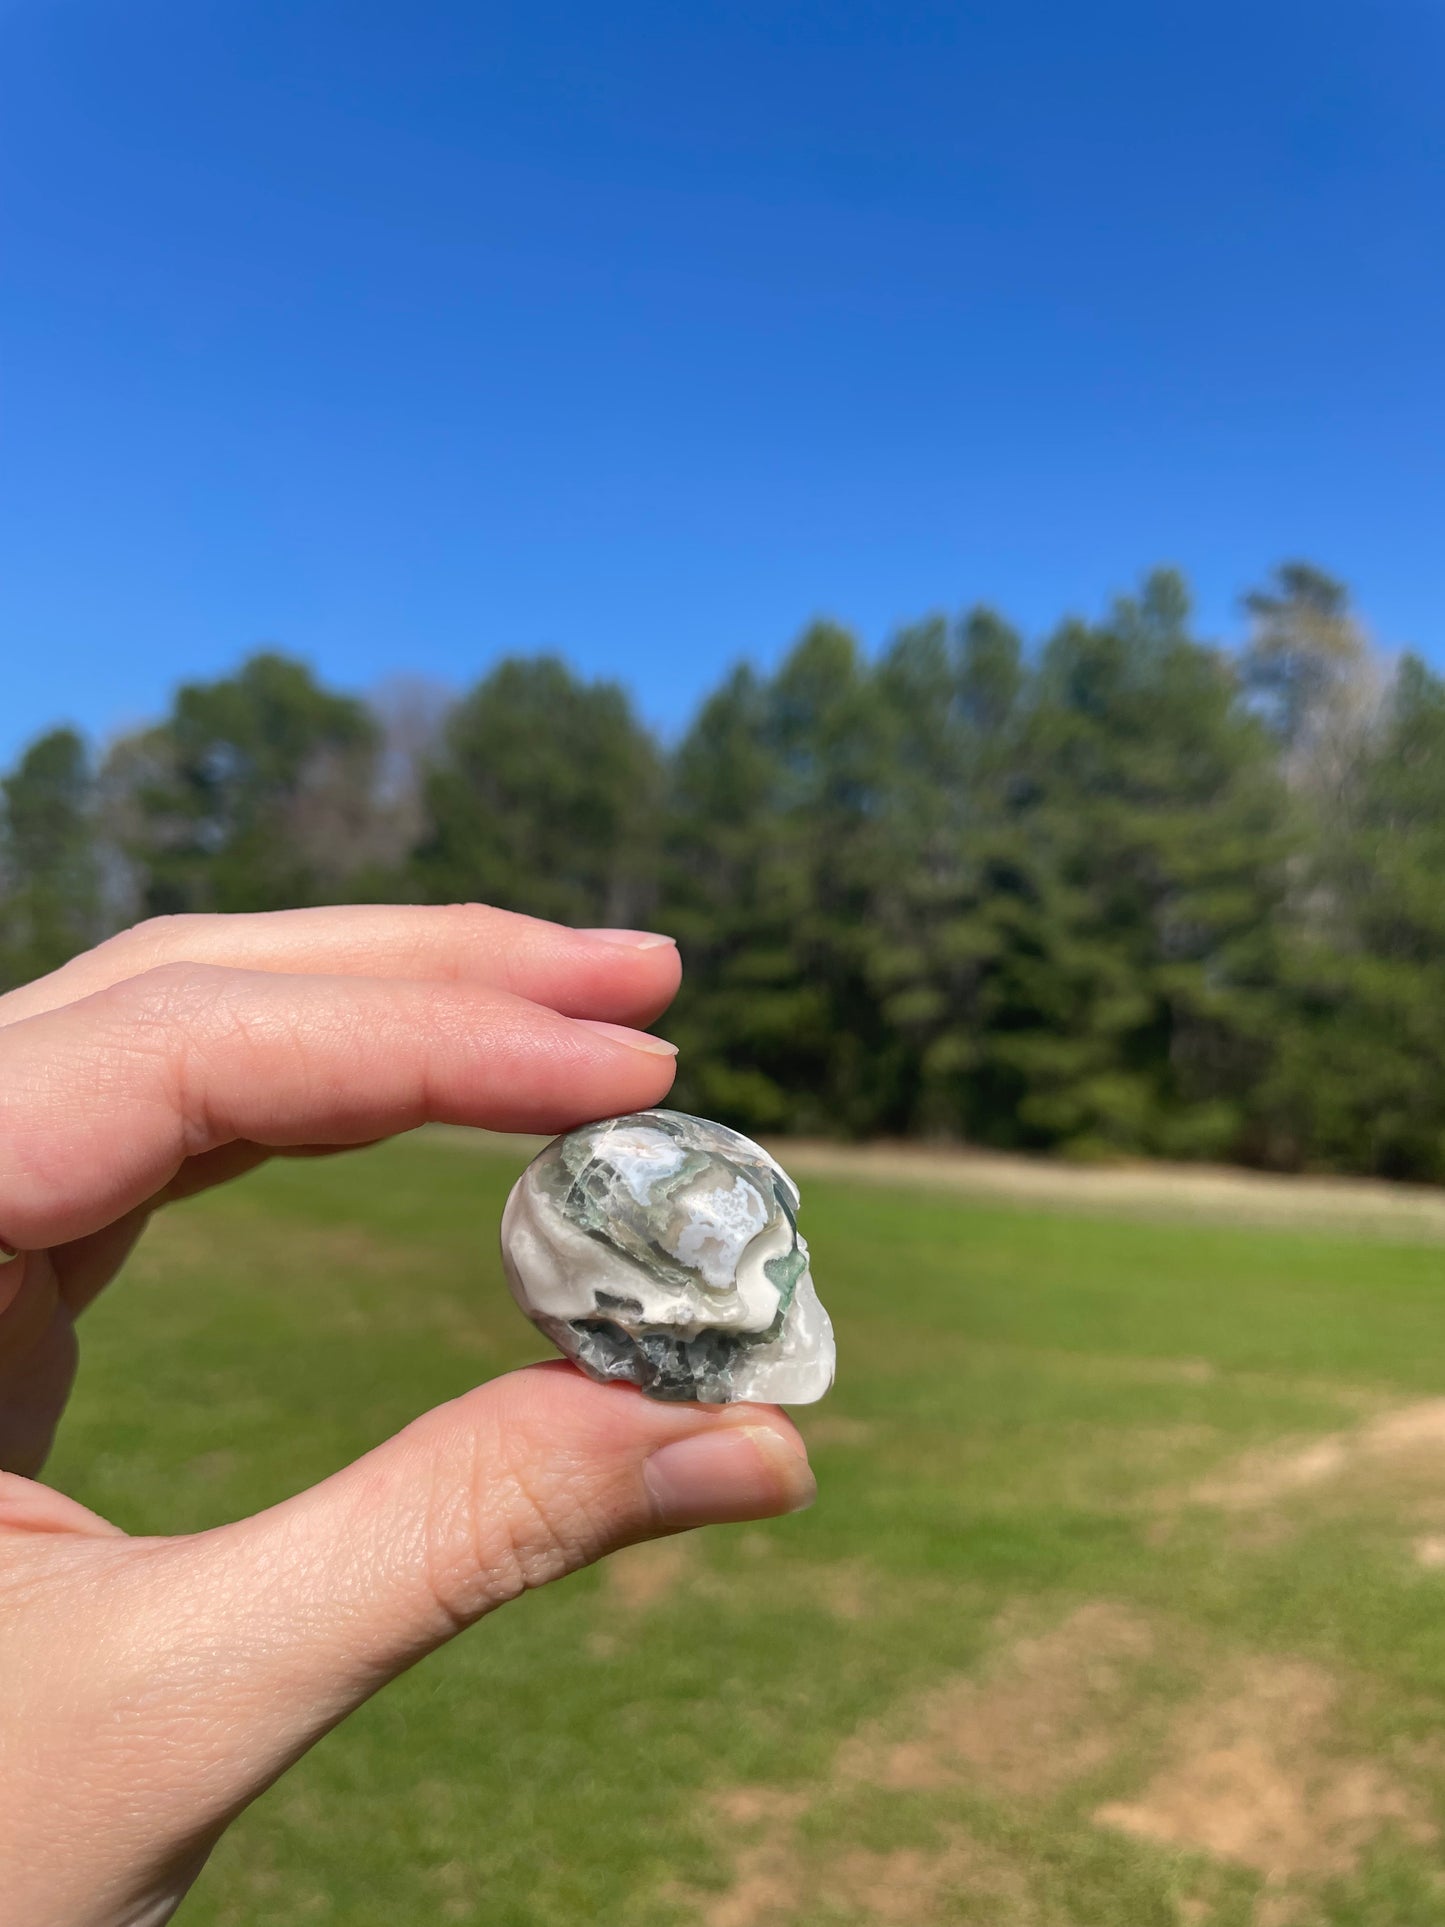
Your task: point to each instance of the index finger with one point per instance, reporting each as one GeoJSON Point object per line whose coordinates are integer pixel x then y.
{"type": "Point", "coordinates": [102, 1101]}
{"type": "Point", "coordinates": [624, 976]}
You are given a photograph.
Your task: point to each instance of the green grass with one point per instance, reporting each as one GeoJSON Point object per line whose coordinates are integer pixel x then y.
{"type": "Point", "coordinates": [1009, 1608]}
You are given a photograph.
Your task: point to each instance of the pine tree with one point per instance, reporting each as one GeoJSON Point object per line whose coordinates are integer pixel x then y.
{"type": "Point", "coordinates": [50, 883]}
{"type": "Point", "coordinates": [544, 796]}
{"type": "Point", "coordinates": [1360, 1078]}
{"type": "Point", "coordinates": [1136, 1004]}
{"type": "Point", "coordinates": [773, 802]}
{"type": "Point", "coordinates": [945, 894]}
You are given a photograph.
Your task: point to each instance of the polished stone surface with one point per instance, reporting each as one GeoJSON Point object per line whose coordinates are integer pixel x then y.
{"type": "Point", "coordinates": [663, 1250]}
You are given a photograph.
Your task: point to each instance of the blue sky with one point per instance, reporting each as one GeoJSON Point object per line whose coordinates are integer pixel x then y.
{"type": "Point", "coordinates": [404, 334]}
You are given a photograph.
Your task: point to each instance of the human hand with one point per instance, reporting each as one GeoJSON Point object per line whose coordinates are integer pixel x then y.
{"type": "Point", "coordinates": [151, 1688]}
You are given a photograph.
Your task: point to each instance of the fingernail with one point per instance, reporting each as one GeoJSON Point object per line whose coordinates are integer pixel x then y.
{"type": "Point", "coordinates": [6, 1253]}
{"type": "Point", "coordinates": [631, 939]}
{"type": "Point", "coordinates": [634, 1039]}
{"type": "Point", "coordinates": [732, 1472]}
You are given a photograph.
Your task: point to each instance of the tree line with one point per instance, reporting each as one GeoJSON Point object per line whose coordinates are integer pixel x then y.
{"type": "Point", "coordinates": [1128, 892]}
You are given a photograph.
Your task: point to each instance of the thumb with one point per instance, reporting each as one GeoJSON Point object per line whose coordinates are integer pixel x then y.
{"type": "Point", "coordinates": [229, 1653]}
{"type": "Point", "coordinates": [512, 1485]}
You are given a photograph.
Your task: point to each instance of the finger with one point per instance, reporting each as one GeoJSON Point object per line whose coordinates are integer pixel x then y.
{"type": "Point", "coordinates": [84, 1267]}
{"type": "Point", "coordinates": [247, 1643]}
{"type": "Point", "coordinates": [101, 1102]}
{"type": "Point", "coordinates": [37, 1360]}
{"type": "Point", "coordinates": [624, 976]}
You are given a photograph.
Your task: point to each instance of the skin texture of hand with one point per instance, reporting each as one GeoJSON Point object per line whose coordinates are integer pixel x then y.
{"type": "Point", "coordinates": [151, 1688]}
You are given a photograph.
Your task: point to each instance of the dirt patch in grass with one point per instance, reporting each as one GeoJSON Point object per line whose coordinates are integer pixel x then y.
{"type": "Point", "coordinates": [778, 1882]}
{"type": "Point", "coordinates": [1253, 1776]}
{"type": "Point", "coordinates": [1051, 1709]}
{"type": "Point", "coordinates": [1253, 1773]}
{"type": "Point", "coordinates": [748, 1806]}
{"type": "Point", "coordinates": [1262, 1478]}
{"type": "Point", "coordinates": [910, 1886]}
{"type": "Point", "coordinates": [645, 1578]}
{"type": "Point", "coordinates": [834, 1428]}
{"type": "Point", "coordinates": [639, 1577]}
{"type": "Point", "coordinates": [769, 1874]}
{"type": "Point", "coordinates": [849, 1589]}
{"type": "Point", "coordinates": [1406, 1446]}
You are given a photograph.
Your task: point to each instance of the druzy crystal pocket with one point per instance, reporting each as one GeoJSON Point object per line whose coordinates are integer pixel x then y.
{"type": "Point", "coordinates": [663, 1250]}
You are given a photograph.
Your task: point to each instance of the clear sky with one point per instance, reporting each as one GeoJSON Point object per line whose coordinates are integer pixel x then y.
{"type": "Point", "coordinates": [406, 333]}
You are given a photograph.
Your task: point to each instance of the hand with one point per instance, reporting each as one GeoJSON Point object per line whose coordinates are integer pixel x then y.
{"type": "Point", "coordinates": [151, 1688]}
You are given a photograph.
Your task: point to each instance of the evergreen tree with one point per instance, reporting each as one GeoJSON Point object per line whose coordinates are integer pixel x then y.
{"type": "Point", "coordinates": [255, 793]}
{"type": "Point", "coordinates": [769, 850]}
{"type": "Point", "coordinates": [544, 796]}
{"type": "Point", "coordinates": [946, 892]}
{"type": "Point", "coordinates": [50, 885]}
{"type": "Point", "coordinates": [729, 898]}
{"type": "Point", "coordinates": [1129, 894]}
{"type": "Point", "coordinates": [1360, 1078]}
{"type": "Point", "coordinates": [1135, 1005]}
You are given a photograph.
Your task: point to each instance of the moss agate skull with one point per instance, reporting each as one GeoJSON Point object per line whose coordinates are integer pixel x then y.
{"type": "Point", "coordinates": [663, 1250]}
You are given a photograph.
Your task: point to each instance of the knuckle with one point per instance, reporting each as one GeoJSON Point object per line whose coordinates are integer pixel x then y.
{"type": "Point", "coordinates": [173, 1015]}
{"type": "Point", "coordinates": [132, 1058]}
{"type": "Point", "coordinates": [159, 932]}
{"type": "Point", "coordinates": [168, 995]}
{"type": "Point", "coordinates": [154, 939]}
{"type": "Point", "coordinates": [468, 927]}
{"type": "Point", "coordinates": [456, 929]}
{"type": "Point", "coordinates": [509, 1518]}
{"type": "Point", "coordinates": [546, 1526]}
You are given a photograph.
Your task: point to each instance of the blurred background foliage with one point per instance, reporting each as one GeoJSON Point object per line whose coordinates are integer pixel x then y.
{"type": "Point", "coordinates": [1127, 893]}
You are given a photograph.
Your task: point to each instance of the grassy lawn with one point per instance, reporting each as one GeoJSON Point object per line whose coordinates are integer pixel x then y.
{"type": "Point", "coordinates": [1123, 1603]}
